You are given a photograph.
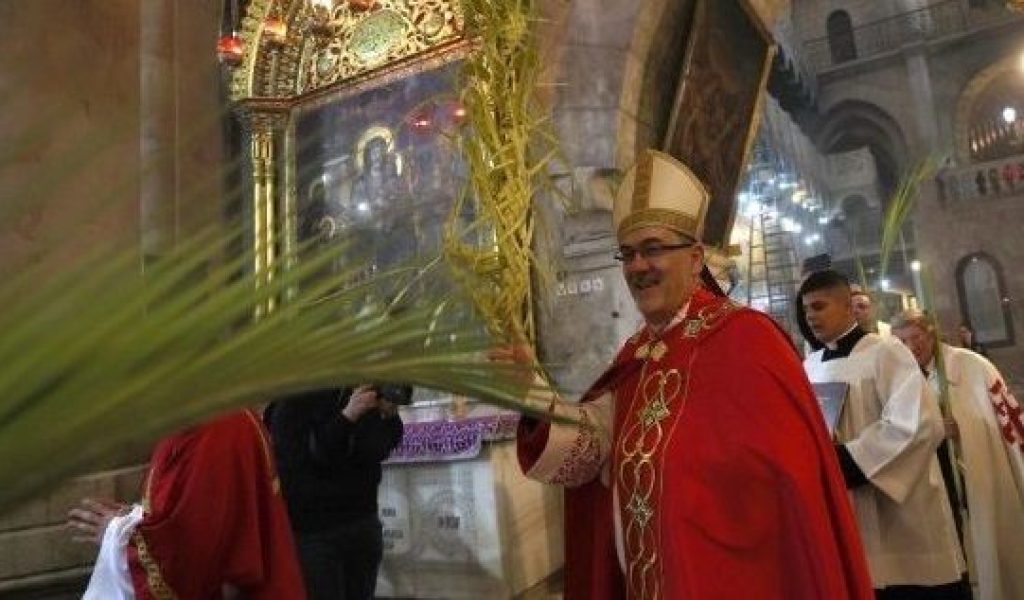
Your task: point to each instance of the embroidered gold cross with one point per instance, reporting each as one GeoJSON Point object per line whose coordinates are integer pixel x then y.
{"type": "Point", "coordinates": [642, 512]}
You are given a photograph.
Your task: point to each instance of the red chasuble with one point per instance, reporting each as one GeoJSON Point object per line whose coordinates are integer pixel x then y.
{"type": "Point", "coordinates": [727, 482]}
{"type": "Point", "coordinates": [214, 515]}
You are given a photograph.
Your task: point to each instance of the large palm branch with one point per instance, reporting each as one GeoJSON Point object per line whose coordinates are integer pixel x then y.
{"type": "Point", "coordinates": [100, 359]}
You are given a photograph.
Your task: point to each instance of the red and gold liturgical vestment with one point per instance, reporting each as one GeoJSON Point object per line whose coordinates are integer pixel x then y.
{"type": "Point", "coordinates": [214, 515]}
{"type": "Point", "coordinates": [700, 467]}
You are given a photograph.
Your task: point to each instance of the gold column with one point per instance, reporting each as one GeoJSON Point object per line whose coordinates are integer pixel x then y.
{"type": "Point", "coordinates": [289, 229]}
{"type": "Point", "coordinates": [263, 213]}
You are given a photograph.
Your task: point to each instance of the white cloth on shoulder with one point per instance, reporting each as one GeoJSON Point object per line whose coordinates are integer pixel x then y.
{"type": "Point", "coordinates": [110, 577]}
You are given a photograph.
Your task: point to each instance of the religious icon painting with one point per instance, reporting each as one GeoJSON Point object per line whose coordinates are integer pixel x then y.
{"type": "Point", "coordinates": [714, 116]}
{"type": "Point", "coordinates": [378, 166]}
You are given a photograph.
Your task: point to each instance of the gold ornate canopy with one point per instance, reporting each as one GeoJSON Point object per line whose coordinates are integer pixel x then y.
{"type": "Point", "coordinates": [322, 49]}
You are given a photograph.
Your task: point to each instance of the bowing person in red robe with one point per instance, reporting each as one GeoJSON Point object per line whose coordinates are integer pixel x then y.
{"type": "Point", "coordinates": [212, 523]}
{"type": "Point", "coordinates": [698, 466]}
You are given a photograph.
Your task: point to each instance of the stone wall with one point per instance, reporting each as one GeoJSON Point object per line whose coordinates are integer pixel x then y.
{"type": "Point", "coordinates": [915, 95]}
{"type": "Point", "coordinates": [70, 176]}
{"type": "Point", "coordinates": [810, 16]}
{"type": "Point", "coordinates": [36, 552]}
{"type": "Point", "coordinates": [99, 121]}
{"type": "Point", "coordinates": [70, 89]}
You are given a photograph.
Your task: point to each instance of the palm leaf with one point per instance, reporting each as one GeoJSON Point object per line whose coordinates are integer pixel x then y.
{"type": "Point", "coordinates": [901, 204]}
{"type": "Point", "coordinates": [509, 147]}
{"type": "Point", "coordinates": [100, 358]}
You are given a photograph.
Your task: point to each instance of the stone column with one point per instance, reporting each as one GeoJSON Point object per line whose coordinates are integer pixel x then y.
{"type": "Point", "coordinates": [925, 119]}
{"type": "Point", "coordinates": [200, 112]}
{"type": "Point", "coordinates": [157, 126]}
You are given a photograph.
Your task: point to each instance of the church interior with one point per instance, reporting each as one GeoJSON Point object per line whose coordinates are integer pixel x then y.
{"type": "Point", "coordinates": [444, 172]}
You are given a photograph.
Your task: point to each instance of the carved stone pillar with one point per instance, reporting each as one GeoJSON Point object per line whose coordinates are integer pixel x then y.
{"type": "Point", "coordinates": [157, 186]}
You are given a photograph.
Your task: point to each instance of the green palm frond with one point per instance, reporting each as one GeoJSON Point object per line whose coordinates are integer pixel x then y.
{"type": "Point", "coordinates": [901, 204]}
{"type": "Point", "coordinates": [509, 148]}
{"type": "Point", "coordinates": [928, 304]}
{"type": "Point", "coordinates": [100, 359]}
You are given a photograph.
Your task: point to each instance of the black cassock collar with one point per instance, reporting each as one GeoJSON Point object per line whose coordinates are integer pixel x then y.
{"type": "Point", "coordinates": [844, 345]}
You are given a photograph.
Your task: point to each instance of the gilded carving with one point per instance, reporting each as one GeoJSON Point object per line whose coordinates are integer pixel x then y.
{"type": "Point", "coordinates": [322, 49]}
{"type": "Point", "coordinates": [361, 41]}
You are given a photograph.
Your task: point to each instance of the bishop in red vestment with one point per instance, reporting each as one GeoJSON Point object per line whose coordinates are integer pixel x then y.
{"type": "Point", "coordinates": [212, 523]}
{"type": "Point", "coordinates": [698, 466]}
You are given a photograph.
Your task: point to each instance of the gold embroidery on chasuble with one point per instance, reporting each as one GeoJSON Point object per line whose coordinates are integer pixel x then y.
{"type": "Point", "coordinates": [647, 427]}
{"type": "Point", "coordinates": [657, 401]}
{"type": "Point", "coordinates": [154, 578]}
{"type": "Point", "coordinates": [584, 456]}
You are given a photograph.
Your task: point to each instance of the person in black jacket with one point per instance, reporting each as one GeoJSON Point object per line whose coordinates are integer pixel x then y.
{"type": "Point", "coordinates": [329, 445]}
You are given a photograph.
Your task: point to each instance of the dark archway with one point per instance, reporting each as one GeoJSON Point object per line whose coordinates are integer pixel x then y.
{"type": "Point", "coordinates": [854, 124]}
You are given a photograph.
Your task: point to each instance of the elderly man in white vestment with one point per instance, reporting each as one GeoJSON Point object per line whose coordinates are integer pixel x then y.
{"type": "Point", "coordinates": [886, 440]}
{"type": "Point", "coordinates": [990, 435]}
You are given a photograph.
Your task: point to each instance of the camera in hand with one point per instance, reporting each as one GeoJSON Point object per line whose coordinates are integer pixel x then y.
{"type": "Point", "coordinates": [394, 393]}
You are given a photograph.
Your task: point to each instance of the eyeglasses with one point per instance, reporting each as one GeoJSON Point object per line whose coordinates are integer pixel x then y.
{"type": "Point", "coordinates": [627, 254]}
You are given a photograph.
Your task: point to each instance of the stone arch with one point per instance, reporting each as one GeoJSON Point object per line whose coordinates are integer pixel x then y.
{"type": "Point", "coordinates": [853, 124]}
{"type": "Point", "coordinates": [642, 119]}
{"type": "Point", "coordinates": [989, 318]}
{"type": "Point", "coordinates": [971, 94]}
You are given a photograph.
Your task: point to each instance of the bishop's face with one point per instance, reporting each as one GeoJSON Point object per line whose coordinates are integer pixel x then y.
{"type": "Point", "coordinates": [662, 269]}
{"type": "Point", "coordinates": [829, 313]}
{"type": "Point", "coordinates": [919, 341]}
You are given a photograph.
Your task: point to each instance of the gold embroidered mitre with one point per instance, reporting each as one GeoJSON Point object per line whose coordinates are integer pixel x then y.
{"type": "Point", "coordinates": [660, 191]}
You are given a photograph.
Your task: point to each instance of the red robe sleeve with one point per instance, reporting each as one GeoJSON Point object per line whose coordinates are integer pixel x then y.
{"type": "Point", "coordinates": [215, 516]}
{"type": "Point", "coordinates": [592, 570]}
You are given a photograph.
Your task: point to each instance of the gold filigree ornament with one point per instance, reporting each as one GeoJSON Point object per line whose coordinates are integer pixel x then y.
{"type": "Point", "coordinates": [653, 412]}
{"type": "Point", "coordinates": [693, 326]}
{"type": "Point", "coordinates": [640, 509]}
{"type": "Point", "coordinates": [293, 47]}
{"type": "Point", "coordinates": [706, 318]}
{"type": "Point", "coordinates": [350, 40]}
{"type": "Point", "coordinates": [656, 407]}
